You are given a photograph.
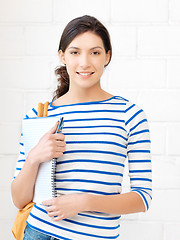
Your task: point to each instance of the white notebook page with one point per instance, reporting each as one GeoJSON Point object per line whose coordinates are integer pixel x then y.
{"type": "Point", "coordinates": [33, 129]}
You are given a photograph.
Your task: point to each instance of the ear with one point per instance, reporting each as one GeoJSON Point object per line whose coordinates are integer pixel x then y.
{"type": "Point", "coordinates": [62, 56]}
{"type": "Point", "coordinates": [108, 56]}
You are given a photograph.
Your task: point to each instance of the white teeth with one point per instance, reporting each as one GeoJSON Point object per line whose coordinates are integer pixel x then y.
{"type": "Point", "coordinates": [85, 74]}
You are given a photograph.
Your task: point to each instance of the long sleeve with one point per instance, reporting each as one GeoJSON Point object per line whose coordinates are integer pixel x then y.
{"type": "Point", "coordinates": [101, 136]}
{"type": "Point", "coordinates": [21, 157]}
{"type": "Point", "coordinates": [139, 154]}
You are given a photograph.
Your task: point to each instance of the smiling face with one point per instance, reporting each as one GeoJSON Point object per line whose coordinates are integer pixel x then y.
{"type": "Point", "coordinates": [85, 58]}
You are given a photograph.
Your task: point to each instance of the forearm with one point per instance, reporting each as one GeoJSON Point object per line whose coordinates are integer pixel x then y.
{"type": "Point", "coordinates": [22, 187]}
{"type": "Point", "coordinates": [125, 203]}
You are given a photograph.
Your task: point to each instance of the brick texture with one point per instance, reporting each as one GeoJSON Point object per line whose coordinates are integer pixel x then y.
{"type": "Point", "coordinates": [145, 69]}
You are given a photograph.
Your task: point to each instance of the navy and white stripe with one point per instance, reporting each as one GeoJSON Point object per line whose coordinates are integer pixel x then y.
{"type": "Point", "coordinates": [100, 136]}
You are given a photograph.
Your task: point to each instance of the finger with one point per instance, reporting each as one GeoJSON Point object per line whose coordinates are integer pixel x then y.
{"type": "Point", "coordinates": [58, 218]}
{"type": "Point", "coordinates": [59, 136]}
{"type": "Point", "coordinates": [50, 208]}
{"type": "Point", "coordinates": [53, 129]}
{"type": "Point", "coordinates": [58, 154]}
{"type": "Point", "coordinates": [53, 214]}
{"type": "Point", "coordinates": [47, 202]}
{"type": "Point", "coordinates": [60, 143]}
{"type": "Point", "coordinates": [60, 151]}
{"type": "Point", "coordinates": [60, 146]}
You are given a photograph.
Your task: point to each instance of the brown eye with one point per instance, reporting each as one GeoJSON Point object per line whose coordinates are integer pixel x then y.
{"type": "Point", "coordinates": [95, 53]}
{"type": "Point", "coordinates": [74, 53]}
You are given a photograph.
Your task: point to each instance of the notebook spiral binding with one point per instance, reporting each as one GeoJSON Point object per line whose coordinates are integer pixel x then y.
{"type": "Point", "coordinates": [53, 178]}
{"type": "Point", "coordinates": [53, 169]}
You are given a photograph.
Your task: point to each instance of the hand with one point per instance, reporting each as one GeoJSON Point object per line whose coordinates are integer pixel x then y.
{"type": "Point", "coordinates": [64, 206]}
{"type": "Point", "coordinates": [51, 145]}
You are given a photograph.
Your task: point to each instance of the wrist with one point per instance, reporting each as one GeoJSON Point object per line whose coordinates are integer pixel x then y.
{"type": "Point", "coordinates": [33, 157]}
{"type": "Point", "coordinates": [85, 200]}
{"type": "Point", "coordinates": [33, 161]}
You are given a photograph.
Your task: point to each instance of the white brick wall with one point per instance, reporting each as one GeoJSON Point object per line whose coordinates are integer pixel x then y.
{"type": "Point", "coordinates": [145, 69]}
{"type": "Point", "coordinates": [65, 11]}
{"type": "Point", "coordinates": [139, 11]}
{"type": "Point", "coordinates": [159, 41]}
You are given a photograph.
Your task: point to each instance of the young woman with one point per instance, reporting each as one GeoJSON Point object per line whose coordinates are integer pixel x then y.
{"type": "Point", "coordinates": [100, 131]}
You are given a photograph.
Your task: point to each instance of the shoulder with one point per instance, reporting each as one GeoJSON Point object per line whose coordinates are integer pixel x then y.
{"type": "Point", "coordinates": [133, 108]}
{"type": "Point", "coordinates": [133, 112]}
{"type": "Point", "coordinates": [129, 105]}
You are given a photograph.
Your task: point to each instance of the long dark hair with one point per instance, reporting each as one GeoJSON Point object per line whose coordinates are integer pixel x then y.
{"type": "Point", "coordinates": [74, 28]}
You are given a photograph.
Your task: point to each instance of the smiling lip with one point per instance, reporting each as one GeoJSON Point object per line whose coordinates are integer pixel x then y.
{"type": "Point", "coordinates": [85, 73]}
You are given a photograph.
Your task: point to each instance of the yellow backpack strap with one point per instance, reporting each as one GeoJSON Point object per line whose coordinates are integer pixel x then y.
{"type": "Point", "coordinates": [42, 109]}
{"type": "Point", "coordinates": [22, 215]}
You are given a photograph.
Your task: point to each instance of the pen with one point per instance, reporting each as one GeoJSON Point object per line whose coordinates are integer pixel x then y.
{"type": "Point", "coordinates": [60, 126]}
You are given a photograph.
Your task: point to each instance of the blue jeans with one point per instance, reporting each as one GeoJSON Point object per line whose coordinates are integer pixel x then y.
{"type": "Point", "coordinates": [31, 234]}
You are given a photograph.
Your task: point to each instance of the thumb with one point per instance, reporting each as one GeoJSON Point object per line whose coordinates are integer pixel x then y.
{"type": "Point", "coordinates": [53, 129]}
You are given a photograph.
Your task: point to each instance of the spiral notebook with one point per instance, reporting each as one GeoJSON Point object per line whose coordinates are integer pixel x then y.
{"type": "Point", "coordinates": [33, 129]}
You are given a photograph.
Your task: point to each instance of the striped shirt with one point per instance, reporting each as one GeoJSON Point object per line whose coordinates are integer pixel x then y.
{"type": "Point", "coordinates": [99, 136]}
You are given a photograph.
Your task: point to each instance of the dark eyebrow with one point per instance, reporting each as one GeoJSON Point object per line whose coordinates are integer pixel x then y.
{"type": "Point", "coordinates": [90, 49]}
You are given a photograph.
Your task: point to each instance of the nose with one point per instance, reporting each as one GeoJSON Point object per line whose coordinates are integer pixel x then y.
{"type": "Point", "coordinates": [84, 61]}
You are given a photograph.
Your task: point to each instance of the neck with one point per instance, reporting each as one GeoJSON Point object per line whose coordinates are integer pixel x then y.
{"type": "Point", "coordinates": [86, 94]}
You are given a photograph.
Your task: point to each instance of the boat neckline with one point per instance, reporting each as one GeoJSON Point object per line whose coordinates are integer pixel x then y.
{"type": "Point", "coordinates": [82, 103]}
